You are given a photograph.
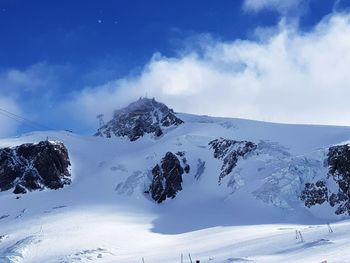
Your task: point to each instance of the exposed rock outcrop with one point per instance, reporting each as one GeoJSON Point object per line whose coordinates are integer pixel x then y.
{"type": "Point", "coordinates": [145, 116]}
{"type": "Point", "coordinates": [335, 189]}
{"type": "Point", "coordinates": [339, 171]}
{"type": "Point", "coordinates": [230, 151]}
{"type": "Point", "coordinates": [186, 166]}
{"type": "Point", "coordinates": [314, 193]}
{"type": "Point", "coordinates": [167, 178]}
{"type": "Point", "coordinates": [31, 167]}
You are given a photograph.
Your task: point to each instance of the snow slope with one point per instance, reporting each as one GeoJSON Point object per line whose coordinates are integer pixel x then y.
{"type": "Point", "coordinates": [105, 216]}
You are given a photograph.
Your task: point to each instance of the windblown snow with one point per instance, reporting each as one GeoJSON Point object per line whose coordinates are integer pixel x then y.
{"type": "Point", "coordinates": [241, 209]}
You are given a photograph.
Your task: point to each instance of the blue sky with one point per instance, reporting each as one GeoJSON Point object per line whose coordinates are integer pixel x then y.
{"type": "Point", "coordinates": [118, 35]}
{"type": "Point", "coordinates": [62, 62]}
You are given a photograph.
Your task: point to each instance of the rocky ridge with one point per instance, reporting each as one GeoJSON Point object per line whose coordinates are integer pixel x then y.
{"type": "Point", "coordinates": [34, 166]}
{"type": "Point", "coordinates": [230, 151]}
{"type": "Point", "coordinates": [145, 116]}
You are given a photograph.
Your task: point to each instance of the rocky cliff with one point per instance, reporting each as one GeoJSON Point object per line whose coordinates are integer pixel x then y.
{"type": "Point", "coordinates": [30, 167]}
{"type": "Point", "coordinates": [334, 188]}
{"type": "Point", "coordinates": [167, 177]}
{"type": "Point", "coordinates": [145, 116]}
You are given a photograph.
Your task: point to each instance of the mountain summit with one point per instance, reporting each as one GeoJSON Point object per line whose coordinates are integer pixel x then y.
{"type": "Point", "coordinates": [145, 116]}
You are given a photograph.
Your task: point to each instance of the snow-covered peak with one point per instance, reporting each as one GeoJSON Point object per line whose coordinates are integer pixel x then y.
{"type": "Point", "coordinates": [209, 174]}
{"type": "Point", "coordinates": [145, 116]}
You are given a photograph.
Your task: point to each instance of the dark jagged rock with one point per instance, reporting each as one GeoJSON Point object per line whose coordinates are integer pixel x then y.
{"type": "Point", "coordinates": [181, 154]}
{"type": "Point", "coordinates": [145, 116]}
{"type": "Point", "coordinates": [31, 167]}
{"type": "Point", "coordinates": [230, 151]}
{"type": "Point", "coordinates": [339, 170]}
{"type": "Point", "coordinates": [187, 168]}
{"type": "Point", "coordinates": [314, 193]}
{"type": "Point", "coordinates": [184, 161]}
{"type": "Point", "coordinates": [338, 161]}
{"type": "Point", "coordinates": [167, 178]}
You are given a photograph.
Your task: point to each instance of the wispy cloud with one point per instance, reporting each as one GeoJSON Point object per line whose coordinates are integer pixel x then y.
{"type": "Point", "coordinates": [288, 76]}
{"type": "Point", "coordinates": [33, 92]}
{"type": "Point", "coordinates": [283, 75]}
{"type": "Point", "coordinates": [38, 77]}
{"type": "Point", "coordinates": [281, 6]}
{"type": "Point", "coordinates": [8, 126]}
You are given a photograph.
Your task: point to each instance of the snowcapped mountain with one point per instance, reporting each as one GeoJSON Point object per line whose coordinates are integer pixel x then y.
{"type": "Point", "coordinates": [145, 116]}
{"type": "Point", "coordinates": [153, 184]}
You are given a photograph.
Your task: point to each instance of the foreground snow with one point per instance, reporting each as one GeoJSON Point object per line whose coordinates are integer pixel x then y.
{"type": "Point", "coordinates": [104, 233]}
{"type": "Point", "coordinates": [104, 215]}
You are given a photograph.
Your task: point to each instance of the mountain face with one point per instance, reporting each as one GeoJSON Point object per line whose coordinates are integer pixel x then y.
{"type": "Point", "coordinates": [316, 177]}
{"type": "Point", "coordinates": [279, 166]}
{"type": "Point", "coordinates": [285, 179]}
{"type": "Point", "coordinates": [145, 116]}
{"type": "Point", "coordinates": [205, 173]}
{"type": "Point", "coordinates": [30, 167]}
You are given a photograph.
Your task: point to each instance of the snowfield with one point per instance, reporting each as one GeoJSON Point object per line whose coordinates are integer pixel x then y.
{"type": "Point", "coordinates": [109, 234]}
{"type": "Point", "coordinates": [251, 216]}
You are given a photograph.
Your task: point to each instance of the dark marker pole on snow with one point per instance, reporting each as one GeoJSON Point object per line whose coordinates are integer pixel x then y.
{"type": "Point", "coordinates": [301, 236]}
{"type": "Point", "coordinates": [330, 230]}
{"type": "Point", "coordinates": [189, 255]}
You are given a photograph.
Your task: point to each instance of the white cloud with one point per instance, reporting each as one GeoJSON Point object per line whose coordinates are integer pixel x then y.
{"type": "Point", "coordinates": [28, 79]}
{"type": "Point", "coordinates": [8, 126]}
{"type": "Point", "coordinates": [30, 88]}
{"type": "Point", "coordinates": [282, 6]}
{"type": "Point", "coordinates": [290, 77]}
{"type": "Point", "coordinates": [37, 77]}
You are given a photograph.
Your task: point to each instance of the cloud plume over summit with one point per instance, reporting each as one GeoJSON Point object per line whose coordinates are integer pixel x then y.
{"type": "Point", "coordinates": [288, 76]}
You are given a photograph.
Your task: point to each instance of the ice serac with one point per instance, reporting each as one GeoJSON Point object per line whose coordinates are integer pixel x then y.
{"type": "Point", "coordinates": [334, 189]}
{"type": "Point", "coordinates": [145, 116]}
{"type": "Point", "coordinates": [36, 166]}
{"type": "Point", "coordinates": [230, 151]}
{"type": "Point", "coordinates": [167, 178]}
